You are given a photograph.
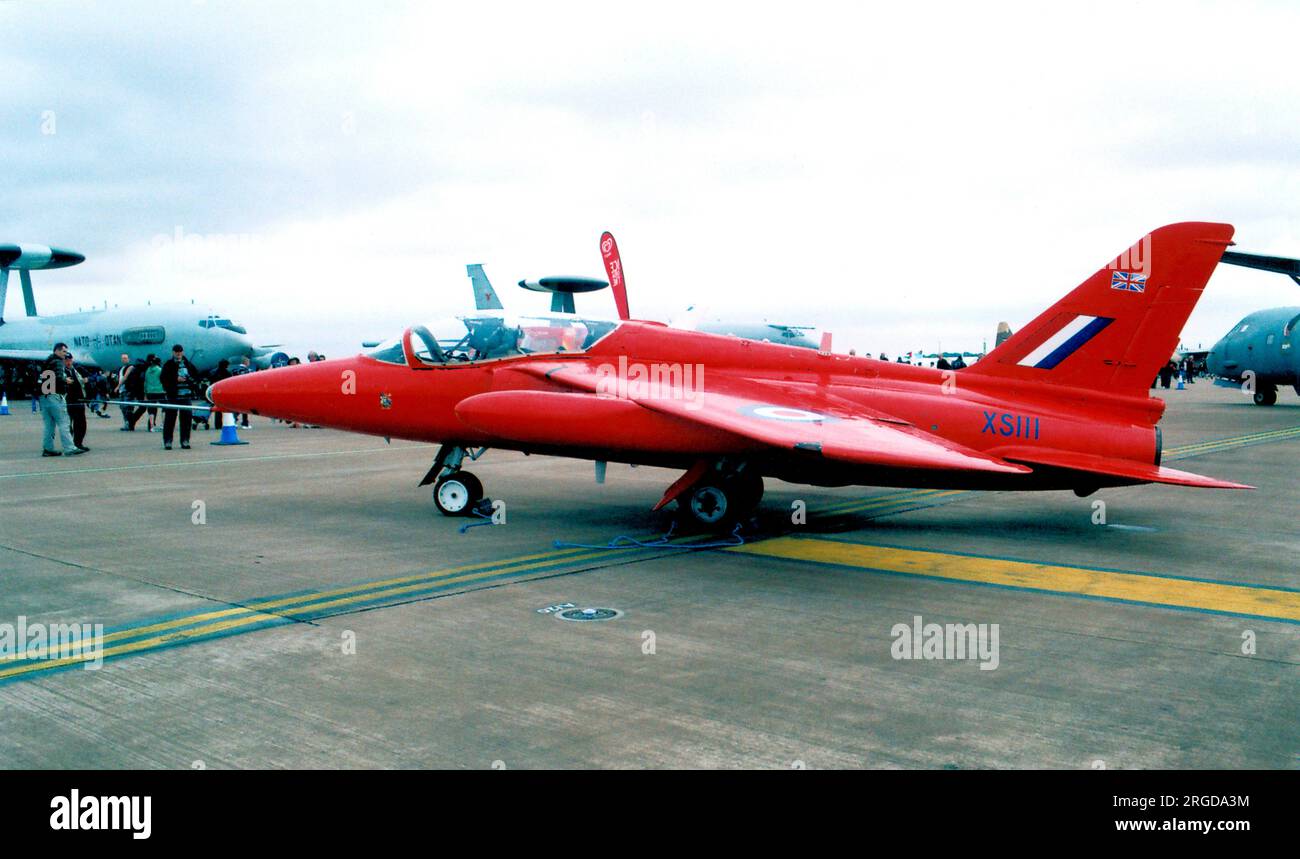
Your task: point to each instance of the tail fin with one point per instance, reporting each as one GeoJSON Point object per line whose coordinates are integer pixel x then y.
{"type": "Point", "coordinates": [485, 297]}
{"type": "Point", "coordinates": [1118, 328]}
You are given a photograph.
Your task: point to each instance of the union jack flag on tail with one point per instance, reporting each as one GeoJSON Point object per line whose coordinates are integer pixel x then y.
{"type": "Point", "coordinates": [1128, 281]}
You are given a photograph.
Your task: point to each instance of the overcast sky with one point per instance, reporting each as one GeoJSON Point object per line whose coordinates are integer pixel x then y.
{"type": "Point", "coordinates": [905, 175]}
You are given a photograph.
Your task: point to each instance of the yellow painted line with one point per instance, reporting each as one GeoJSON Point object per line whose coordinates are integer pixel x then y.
{"type": "Point", "coordinates": [376, 588]}
{"type": "Point", "coordinates": [237, 616]}
{"type": "Point", "coordinates": [1218, 597]}
{"type": "Point", "coordinates": [905, 497]}
{"type": "Point", "coordinates": [902, 501]}
{"type": "Point", "coordinates": [235, 622]}
{"type": "Point", "coordinates": [882, 500]}
{"type": "Point", "coordinates": [157, 641]}
{"type": "Point", "coordinates": [1235, 441]}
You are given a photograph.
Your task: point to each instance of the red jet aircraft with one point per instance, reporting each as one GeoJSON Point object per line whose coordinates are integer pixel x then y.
{"type": "Point", "coordinates": [1062, 404]}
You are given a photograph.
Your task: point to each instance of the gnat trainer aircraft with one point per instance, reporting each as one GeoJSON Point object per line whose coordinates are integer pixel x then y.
{"type": "Point", "coordinates": [1061, 404]}
{"type": "Point", "coordinates": [99, 338]}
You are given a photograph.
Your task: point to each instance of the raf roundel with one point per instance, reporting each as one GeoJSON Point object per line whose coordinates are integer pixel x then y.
{"type": "Point", "coordinates": [784, 413]}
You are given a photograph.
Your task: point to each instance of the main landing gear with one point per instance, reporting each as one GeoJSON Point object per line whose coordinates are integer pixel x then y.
{"type": "Point", "coordinates": [1266, 394]}
{"type": "Point", "coordinates": [714, 495]}
{"type": "Point", "coordinates": [455, 492]}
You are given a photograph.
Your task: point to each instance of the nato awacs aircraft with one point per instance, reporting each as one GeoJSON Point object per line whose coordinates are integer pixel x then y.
{"type": "Point", "coordinates": [563, 289]}
{"type": "Point", "coordinates": [99, 338]}
{"type": "Point", "coordinates": [1062, 404]}
{"type": "Point", "coordinates": [456, 332]}
{"type": "Point", "coordinates": [1264, 347]}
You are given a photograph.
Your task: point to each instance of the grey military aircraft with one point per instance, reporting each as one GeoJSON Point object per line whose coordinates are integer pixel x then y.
{"type": "Point", "coordinates": [1262, 348]}
{"type": "Point", "coordinates": [98, 338]}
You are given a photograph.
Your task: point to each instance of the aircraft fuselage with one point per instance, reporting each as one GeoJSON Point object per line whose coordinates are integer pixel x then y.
{"type": "Point", "coordinates": [101, 337]}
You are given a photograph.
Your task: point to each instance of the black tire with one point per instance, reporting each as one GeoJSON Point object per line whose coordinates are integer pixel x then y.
{"type": "Point", "coordinates": [747, 491]}
{"type": "Point", "coordinates": [1265, 395]}
{"type": "Point", "coordinates": [709, 503]}
{"type": "Point", "coordinates": [457, 494]}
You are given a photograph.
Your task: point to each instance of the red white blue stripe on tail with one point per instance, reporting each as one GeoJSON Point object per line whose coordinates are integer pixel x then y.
{"type": "Point", "coordinates": [1065, 342]}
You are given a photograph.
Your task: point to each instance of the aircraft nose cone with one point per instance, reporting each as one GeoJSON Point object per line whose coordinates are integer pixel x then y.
{"type": "Point", "coordinates": [235, 394]}
{"type": "Point", "coordinates": [305, 392]}
{"type": "Point", "coordinates": [1214, 359]}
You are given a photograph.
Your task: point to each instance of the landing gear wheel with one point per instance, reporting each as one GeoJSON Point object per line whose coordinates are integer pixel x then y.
{"type": "Point", "coordinates": [747, 491]}
{"type": "Point", "coordinates": [457, 493]}
{"type": "Point", "coordinates": [1265, 395]}
{"type": "Point", "coordinates": [709, 503]}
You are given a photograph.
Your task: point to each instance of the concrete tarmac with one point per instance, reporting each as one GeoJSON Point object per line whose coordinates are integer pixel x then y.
{"type": "Point", "coordinates": [299, 602]}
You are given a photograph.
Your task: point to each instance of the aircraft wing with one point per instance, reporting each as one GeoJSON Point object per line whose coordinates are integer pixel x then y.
{"type": "Point", "coordinates": [29, 355]}
{"type": "Point", "coordinates": [1281, 265]}
{"type": "Point", "coordinates": [828, 426]}
{"type": "Point", "coordinates": [1143, 471]}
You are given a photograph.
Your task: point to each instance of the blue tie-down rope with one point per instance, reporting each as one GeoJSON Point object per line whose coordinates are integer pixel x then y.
{"type": "Point", "coordinates": [663, 542]}
{"type": "Point", "coordinates": [478, 511]}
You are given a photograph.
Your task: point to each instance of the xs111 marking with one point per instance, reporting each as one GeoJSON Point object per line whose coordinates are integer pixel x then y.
{"type": "Point", "coordinates": [1012, 425]}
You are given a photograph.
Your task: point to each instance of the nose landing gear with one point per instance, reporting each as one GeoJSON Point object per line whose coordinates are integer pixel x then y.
{"type": "Point", "coordinates": [455, 492]}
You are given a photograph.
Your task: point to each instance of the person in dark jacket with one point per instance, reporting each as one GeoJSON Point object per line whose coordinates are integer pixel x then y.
{"type": "Point", "coordinates": [52, 389]}
{"type": "Point", "coordinates": [121, 377]}
{"type": "Point", "coordinates": [1166, 374]}
{"type": "Point", "coordinates": [177, 372]}
{"type": "Point", "coordinates": [76, 402]}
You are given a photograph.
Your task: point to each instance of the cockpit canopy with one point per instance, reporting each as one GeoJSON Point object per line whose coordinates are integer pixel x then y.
{"type": "Point", "coordinates": [221, 322]}
{"type": "Point", "coordinates": [490, 337]}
